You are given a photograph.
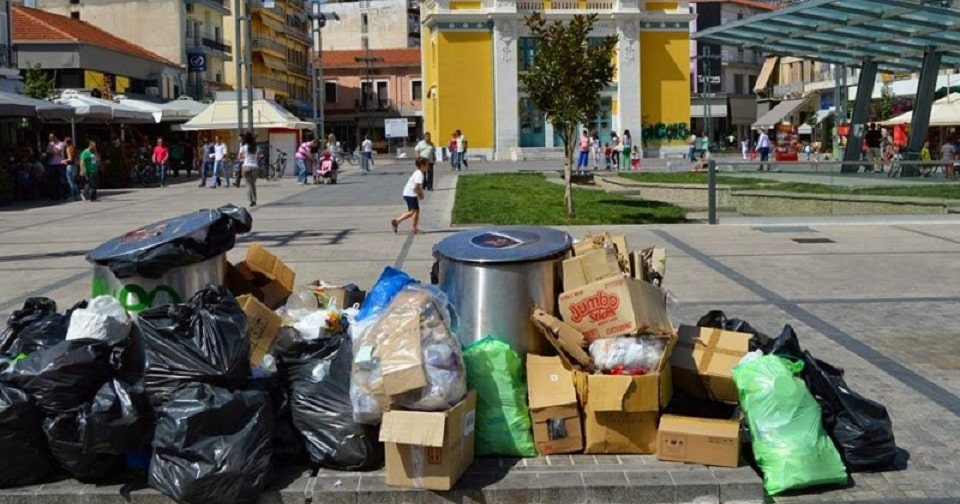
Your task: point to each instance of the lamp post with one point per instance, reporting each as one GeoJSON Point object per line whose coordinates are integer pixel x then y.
{"type": "Point", "coordinates": [244, 59]}
{"type": "Point", "coordinates": [318, 20]}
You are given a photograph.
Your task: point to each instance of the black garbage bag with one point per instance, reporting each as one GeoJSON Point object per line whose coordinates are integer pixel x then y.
{"type": "Point", "coordinates": [317, 373]}
{"type": "Point", "coordinates": [66, 376]}
{"type": "Point", "coordinates": [24, 457]}
{"type": "Point", "coordinates": [92, 442]}
{"type": "Point", "coordinates": [718, 320]}
{"type": "Point", "coordinates": [204, 340]}
{"type": "Point", "coordinates": [35, 326]}
{"type": "Point", "coordinates": [212, 445]}
{"type": "Point", "coordinates": [860, 427]}
{"type": "Point", "coordinates": [188, 239]}
{"type": "Point", "coordinates": [288, 444]}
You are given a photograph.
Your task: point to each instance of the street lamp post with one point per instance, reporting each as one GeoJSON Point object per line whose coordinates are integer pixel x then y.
{"type": "Point", "coordinates": [244, 59]}
{"type": "Point", "coordinates": [317, 21]}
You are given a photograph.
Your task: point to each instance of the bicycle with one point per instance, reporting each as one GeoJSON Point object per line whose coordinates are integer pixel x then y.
{"type": "Point", "coordinates": [274, 170]}
{"type": "Point", "coordinates": [350, 157]}
{"type": "Point", "coordinates": [143, 173]}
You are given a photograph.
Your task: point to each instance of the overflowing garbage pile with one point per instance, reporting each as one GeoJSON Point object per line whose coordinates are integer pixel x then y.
{"type": "Point", "coordinates": [198, 377]}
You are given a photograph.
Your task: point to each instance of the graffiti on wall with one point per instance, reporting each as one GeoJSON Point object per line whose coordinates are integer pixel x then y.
{"type": "Point", "coordinates": [661, 133]}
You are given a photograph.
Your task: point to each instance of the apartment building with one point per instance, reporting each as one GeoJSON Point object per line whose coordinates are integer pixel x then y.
{"type": "Point", "coordinates": [189, 33]}
{"type": "Point", "coordinates": [394, 23]}
{"type": "Point", "coordinates": [281, 40]}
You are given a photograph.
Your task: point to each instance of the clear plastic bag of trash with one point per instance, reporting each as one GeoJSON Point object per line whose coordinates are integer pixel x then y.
{"type": "Point", "coordinates": [103, 319]}
{"type": "Point", "coordinates": [407, 357]}
{"type": "Point", "coordinates": [627, 355]}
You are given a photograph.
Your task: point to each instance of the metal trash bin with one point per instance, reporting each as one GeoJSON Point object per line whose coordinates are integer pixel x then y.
{"type": "Point", "coordinates": [168, 261]}
{"type": "Point", "coordinates": [496, 276]}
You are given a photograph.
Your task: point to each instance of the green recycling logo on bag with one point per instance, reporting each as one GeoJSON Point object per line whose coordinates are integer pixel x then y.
{"type": "Point", "coordinates": [135, 298]}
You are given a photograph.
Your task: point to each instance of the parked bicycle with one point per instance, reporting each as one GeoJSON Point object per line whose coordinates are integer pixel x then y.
{"type": "Point", "coordinates": [143, 173]}
{"type": "Point", "coordinates": [274, 170]}
{"type": "Point", "coordinates": [347, 156]}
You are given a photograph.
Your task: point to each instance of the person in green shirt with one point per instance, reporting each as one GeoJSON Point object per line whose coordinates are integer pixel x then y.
{"type": "Point", "coordinates": [90, 167]}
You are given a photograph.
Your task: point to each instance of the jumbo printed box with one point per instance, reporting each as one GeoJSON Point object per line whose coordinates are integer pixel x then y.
{"type": "Point", "coordinates": [616, 306]}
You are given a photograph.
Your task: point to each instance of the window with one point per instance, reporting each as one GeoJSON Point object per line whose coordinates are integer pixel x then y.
{"type": "Point", "coordinates": [753, 83]}
{"type": "Point", "coordinates": [527, 47]}
{"type": "Point", "coordinates": [363, 23]}
{"type": "Point", "coordinates": [738, 84]}
{"type": "Point", "coordinates": [75, 15]}
{"type": "Point", "coordinates": [416, 90]}
{"type": "Point", "coordinates": [330, 92]}
{"type": "Point", "coordinates": [383, 93]}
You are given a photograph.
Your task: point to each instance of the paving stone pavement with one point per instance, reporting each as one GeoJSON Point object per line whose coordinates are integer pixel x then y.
{"type": "Point", "coordinates": [880, 301]}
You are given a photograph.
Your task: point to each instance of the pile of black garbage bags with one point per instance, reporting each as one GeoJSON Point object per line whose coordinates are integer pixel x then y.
{"type": "Point", "coordinates": [174, 404]}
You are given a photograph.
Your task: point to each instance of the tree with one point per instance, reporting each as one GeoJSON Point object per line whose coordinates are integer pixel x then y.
{"type": "Point", "coordinates": [569, 70]}
{"type": "Point", "coordinates": [884, 106]}
{"type": "Point", "coordinates": [37, 84]}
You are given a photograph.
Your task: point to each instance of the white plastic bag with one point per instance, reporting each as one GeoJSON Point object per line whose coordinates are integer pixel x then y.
{"type": "Point", "coordinates": [629, 355]}
{"type": "Point", "coordinates": [103, 319]}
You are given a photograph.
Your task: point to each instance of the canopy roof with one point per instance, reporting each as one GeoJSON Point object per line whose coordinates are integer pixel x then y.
{"type": "Point", "coordinates": [895, 33]}
{"type": "Point", "coordinates": [88, 107]}
{"type": "Point", "coordinates": [222, 115]}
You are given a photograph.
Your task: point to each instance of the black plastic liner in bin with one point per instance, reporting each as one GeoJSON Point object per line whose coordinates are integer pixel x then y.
{"type": "Point", "coordinates": [68, 375]}
{"type": "Point", "coordinates": [317, 373]}
{"type": "Point", "coordinates": [91, 443]}
{"type": "Point", "coordinates": [24, 458]}
{"type": "Point", "coordinates": [189, 239]}
{"type": "Point", "coordinates": [201, 341]}
{"type": "Point", "coordinates": [212, 445]}
{"type": "Point", "coordinates": [35, 326]}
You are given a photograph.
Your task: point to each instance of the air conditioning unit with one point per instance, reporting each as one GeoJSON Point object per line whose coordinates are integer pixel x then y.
{"type": "Point", "coordinates": [153, 91]}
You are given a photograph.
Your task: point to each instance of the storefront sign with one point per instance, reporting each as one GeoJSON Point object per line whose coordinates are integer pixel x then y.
{"type": "Point", "coordinates": [198, 63]}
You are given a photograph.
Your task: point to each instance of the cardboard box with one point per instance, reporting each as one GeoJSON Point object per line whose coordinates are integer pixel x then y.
{"type": "Point", "coordinates": [567, 341]}
{"type": "Point", "coordinates": [699, 440]}
{"type": "Point", "coordinates": [649, 265]}
{"type": "Point", "coordinates": [615, 307]}
{"type": "Point", "coordinates": [553, 406]}
{"type": "Point", "coordinates": [429, 450]}
{"type": "Point", "coordinates": [703, 362]}
{"type": "Point", "coordinates": [620, 412]}
{"type": "Point", "coordinates": [590, 267]}
{"type": "Point", "coordinates": [263, 325]}
{"type": "Point", "coordinates": [345, 298]}
{"type": "Point", "coordinates": [596, 241]}
{"type": "Point", "coordinates": [263, 276]}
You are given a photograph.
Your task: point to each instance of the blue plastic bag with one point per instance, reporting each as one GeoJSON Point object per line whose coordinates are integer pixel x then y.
{"type": "Point", "coordinates": [391, 282]}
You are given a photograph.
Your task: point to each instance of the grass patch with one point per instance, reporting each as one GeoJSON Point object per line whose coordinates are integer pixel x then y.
{"type": "Point", "coordinates": [933, 191]}
{"type": "Point", "coordinates": [529, 199]}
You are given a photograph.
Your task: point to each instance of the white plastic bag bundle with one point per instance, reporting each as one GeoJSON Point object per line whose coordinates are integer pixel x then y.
{"type": "Point", "coordinates": [103, 319]}
{"type": "Point", "coordinates": [412, 337]}
{"type": "Point", "coordinates": [628, 355]}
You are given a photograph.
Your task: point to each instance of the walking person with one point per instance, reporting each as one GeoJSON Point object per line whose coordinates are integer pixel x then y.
{"type": "Point", "coordinates": [366, 153]}
{"type": "Point", "coordinates": [248, 166]}
{"type": "Point", "coordinates": [426, 150]}
{"type": "Point", "coordinates": [206, 161]}
{"type": "Point", "coordinates": [763, 148]}
{"type": "Point", "coordinates": [219, 163]}
{"type": "Point", "coordinates": [161, 158]}
{"type": "Point", "coordinates": [176, 158]}
{"type": "Point", "coordinates": [948, 153]}
{"type": "Point", "coordinates": [462, 149]}
{"type": "Point", "coordinates": [412, 195]}
{"type": "Point", "coordinates": [702, 145]}
{"type": "Point", "coordinates": [304, 160]}
{"type": "Point", "coordinates": [627, 142]}
{"type": "Point", "coordinates": [583, 159]}
{"type": "Point", "coordinates": [615, 148]}
{"type": "Point", "coordinates": [90, 166]}
{"type": "Point", "coordinates": [189, 157]}
{"type": "Point", "coordinates": [874, 143]}
{"type": "Point", "coordinates": [452, 148]}
{"type": "Point", "coordinates": [70, 161]}
{"type": "Point", "coordinates": [54, 173]}
{"type": "Point", "coordinates": [597, 149]}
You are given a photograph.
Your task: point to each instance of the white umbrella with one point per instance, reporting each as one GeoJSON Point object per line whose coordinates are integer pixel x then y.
{"type": "Point", "coordinates": [222, 115]}
{"type": "Point", "coordinates": [182, 108]}
{"type": "Point", "coordinates": [88, 107]}
{"type": "Point", "coordinates": [154, 109]}
{"type": "Point", "coordinates": [943, 112]}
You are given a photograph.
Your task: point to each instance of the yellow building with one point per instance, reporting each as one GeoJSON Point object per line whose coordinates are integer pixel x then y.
{"type": "Point", "coordinates": [474, 50]}
{"type": "Point", "coordinates": [281, 42]}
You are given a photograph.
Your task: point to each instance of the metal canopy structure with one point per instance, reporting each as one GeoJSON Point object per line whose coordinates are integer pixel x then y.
{"type": "Point", "coordinates": [893, 33]}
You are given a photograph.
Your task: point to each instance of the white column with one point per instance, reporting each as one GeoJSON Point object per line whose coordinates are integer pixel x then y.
{"type": "Point", "coordinates": [548, 135]}
{"type": "Point", "coordinates": [506, 120]}
{"type": "Point", "coordinates": [628, 80]}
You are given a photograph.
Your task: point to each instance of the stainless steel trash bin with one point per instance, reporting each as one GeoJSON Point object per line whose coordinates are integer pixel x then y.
{"type": "Point", "coordinates": [168, 261]}
{"type": "Point", "coordinates": [495, 276]}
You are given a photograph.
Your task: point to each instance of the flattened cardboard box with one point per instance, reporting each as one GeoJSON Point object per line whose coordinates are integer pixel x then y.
{"type": "Point", "coordinates": [615, 307]}
{"type": "Point", "coordinates": [429, 450]}
{"type": "Point", "coordinates": [590, 267]}
{"type": "Point", "coordinates": [262, 275]}
{"type": "Point", "coordinates": [699, 440]}
{"type": "Point", "coordinates": [567, 341]}
{"type": "Point", "coordinates": [553, 406]}
{"type": "Point", "coordinates": [620, 412]}
{"type": "Point", "coordinates": [263, 325]}
{"type": "Point", "coordinates": [703, 362]}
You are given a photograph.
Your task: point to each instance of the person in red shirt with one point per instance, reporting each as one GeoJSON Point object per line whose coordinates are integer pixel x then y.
{"type": "Point", "coordinates": [161, 158]}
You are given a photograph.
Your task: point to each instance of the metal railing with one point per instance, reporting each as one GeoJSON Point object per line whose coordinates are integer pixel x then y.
{"type": "Point", "coordinates": [565, 5]}
{"type": "Point", "coordinates": [270, 82]}
{"type": "Point", "coordinates": [297, 33]}
{"type": "Point", "coordinates": [217, 45]}
{"type": "Point", "coordinates": [374, 104]}
{"type": "Point", "coordinates": [301, 67]}
{"type": "Point", "coordinates": [220, 5]}
{"type": "Point", "coordinates": [261, 42]}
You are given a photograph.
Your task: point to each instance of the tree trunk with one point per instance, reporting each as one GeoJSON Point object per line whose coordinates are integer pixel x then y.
{"type": "Point", "coordinates": [568, 144]}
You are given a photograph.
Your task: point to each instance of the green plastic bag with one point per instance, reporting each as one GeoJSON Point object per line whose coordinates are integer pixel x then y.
{"type": "Point", "coordinates": [503, 426]}
{"type": "Point", "coordinates": [789, 442]}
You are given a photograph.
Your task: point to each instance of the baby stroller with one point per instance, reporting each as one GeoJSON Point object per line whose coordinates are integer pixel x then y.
{"type": "Point", "coordinates": [326, 170]}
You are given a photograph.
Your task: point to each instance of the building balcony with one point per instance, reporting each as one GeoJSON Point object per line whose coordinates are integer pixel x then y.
{"type": "Point", "coordinates": [297, 33]}
{"type": "Point", "coordinates": [374, 104]}
{"type": "Point", "coordinates": [261, 43]}
{"type": "Point", "coordinates": [566, 5]}
{"type": "Point", "coordinates": [301, 68]}
{"type": "Point", "coordinates": [257, 6]}
{"type": "Point", "coordinates": [221, 6]}
{"type": "Point", "coordinates": [217, 46]}
{"type": "Point", "coordinates": [276, 84]}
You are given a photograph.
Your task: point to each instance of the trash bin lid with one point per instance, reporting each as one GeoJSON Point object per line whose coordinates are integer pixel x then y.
{"type": "Point", "coordinates": [504, 244]}
{"type": "Point", "coordinates": [188, 239]}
